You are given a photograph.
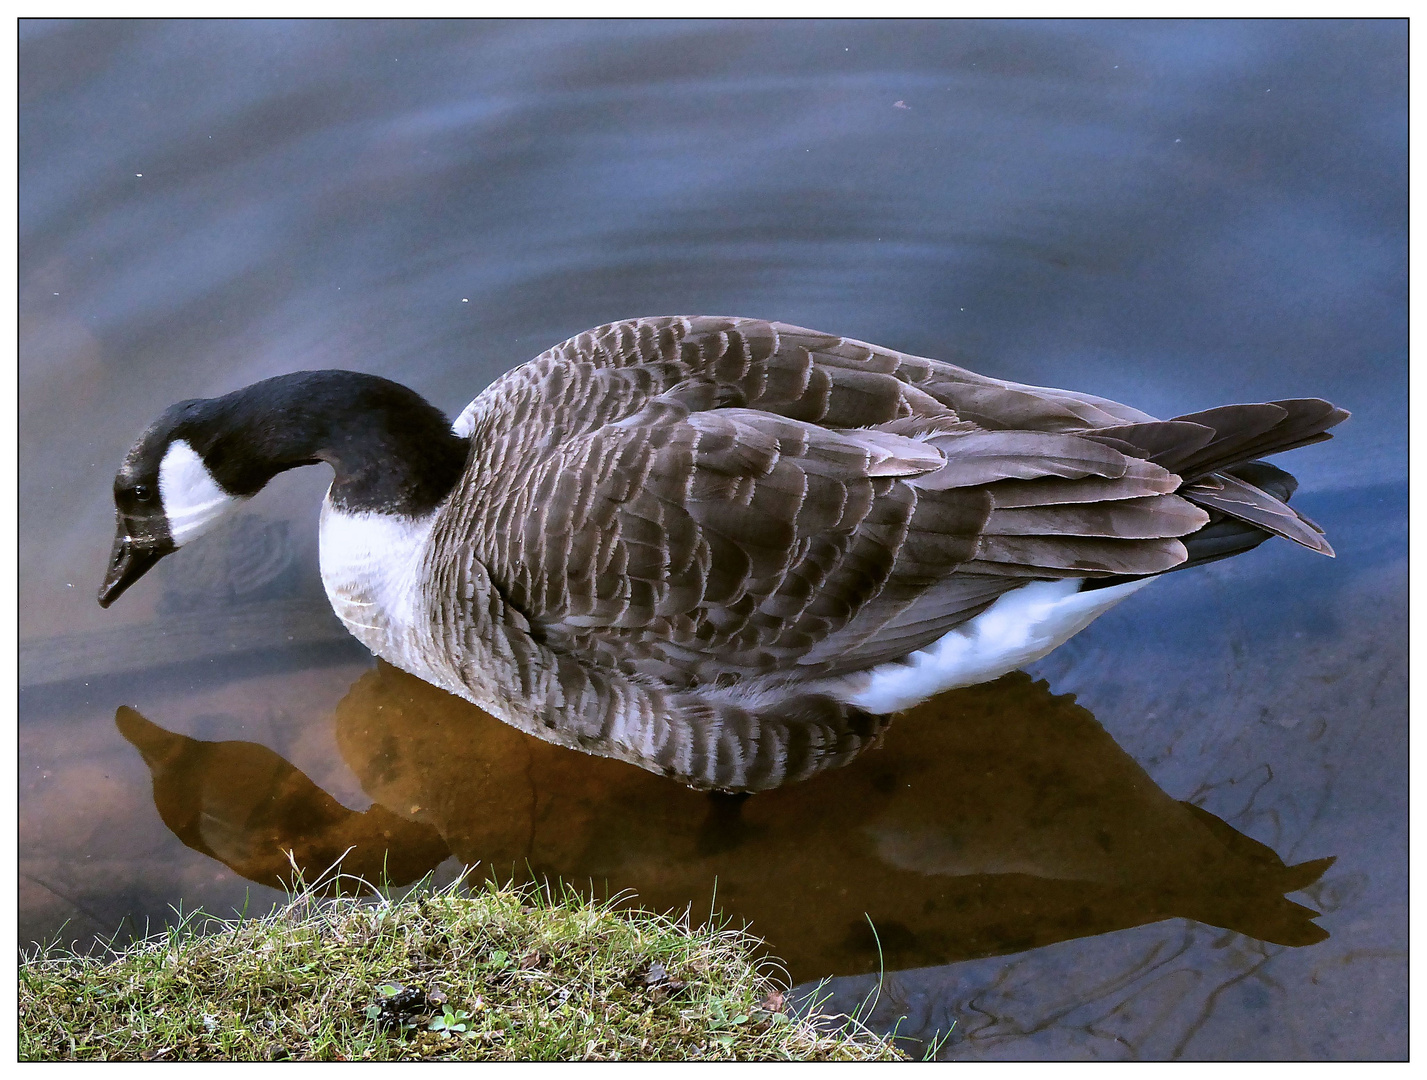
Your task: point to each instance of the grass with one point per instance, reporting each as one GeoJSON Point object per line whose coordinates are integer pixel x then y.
{"type": "Point", "coordinates": [487, 973]}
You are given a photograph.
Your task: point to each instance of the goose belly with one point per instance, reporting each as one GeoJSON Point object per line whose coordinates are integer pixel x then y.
{"type": "Point", "coordinates": [1021, 626]}
{"type": "Point", "coordinates": [371, 565]}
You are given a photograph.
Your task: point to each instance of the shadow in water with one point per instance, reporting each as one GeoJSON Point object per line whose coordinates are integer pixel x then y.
{"type": "Point", "coordinates": [992, 819]}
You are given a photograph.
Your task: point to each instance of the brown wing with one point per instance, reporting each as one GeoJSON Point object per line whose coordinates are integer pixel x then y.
{"type": "Point", "coordinates": [704, 499]}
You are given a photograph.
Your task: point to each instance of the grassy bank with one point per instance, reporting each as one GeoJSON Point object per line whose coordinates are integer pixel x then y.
{"type": "Point", "coordinates": [482, 974]}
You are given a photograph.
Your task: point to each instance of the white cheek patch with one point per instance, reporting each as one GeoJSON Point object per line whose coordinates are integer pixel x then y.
{"type": "Point", "coordinates": [192, 499]}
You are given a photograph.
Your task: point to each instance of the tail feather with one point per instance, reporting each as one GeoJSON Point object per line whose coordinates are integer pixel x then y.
{"type": "Point", "coordinates": [1221, 539]}
{"type": "Point", "coordinates": [1235, 427]}
{"type": "Point", "coordinates": [1245, 432]}
{"type": "Point", "coordinates": [1159, 441]}
{"type": "Point", "coordinates": [1244, 501]}
{"type": "Point", "coordinates": [1197, 444]}
{"type": "Point", "coordinates": [1276, 482]}
{"type": "Point", "coordinates": [1281, 485]}
{"type": "Point", "coordinates": [1213, 453]}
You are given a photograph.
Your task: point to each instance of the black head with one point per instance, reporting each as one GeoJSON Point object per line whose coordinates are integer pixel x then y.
{"type": "Point", "coordinates": [391, 452]}
{"type": "Point", "coordinates": [143, 534]}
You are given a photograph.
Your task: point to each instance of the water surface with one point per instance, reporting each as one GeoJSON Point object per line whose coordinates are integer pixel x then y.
{"type": "Point", "coordinates": [1118, 854]}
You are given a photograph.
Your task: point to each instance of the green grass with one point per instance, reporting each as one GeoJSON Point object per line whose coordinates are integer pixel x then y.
{"type": "Point", "coordinates": [489, 973]}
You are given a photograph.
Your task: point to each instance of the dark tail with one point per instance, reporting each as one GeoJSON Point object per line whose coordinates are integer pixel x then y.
{"type": "Point", "coordinates": [1215, 453]}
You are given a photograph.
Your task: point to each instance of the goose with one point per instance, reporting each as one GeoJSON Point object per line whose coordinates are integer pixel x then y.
{"type": "Point", "coordinates": [722, 549]}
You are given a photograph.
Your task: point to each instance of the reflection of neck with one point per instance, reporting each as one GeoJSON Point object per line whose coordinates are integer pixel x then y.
{"type": "Point", "coordinates": [187, 773]}
{"type": "Point", "coordinates": [391, 451]}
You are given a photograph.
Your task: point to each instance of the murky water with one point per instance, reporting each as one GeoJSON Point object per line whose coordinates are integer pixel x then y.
{"type": "Point", "coordinates": [1120, 854]}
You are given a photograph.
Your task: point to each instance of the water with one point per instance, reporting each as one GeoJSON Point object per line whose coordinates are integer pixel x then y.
{"type": "Point", "coordinates": [1176, 215]}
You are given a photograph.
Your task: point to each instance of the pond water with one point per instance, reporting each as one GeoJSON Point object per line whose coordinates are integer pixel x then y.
{"type": "Point", "coordinates": [1183, 834]}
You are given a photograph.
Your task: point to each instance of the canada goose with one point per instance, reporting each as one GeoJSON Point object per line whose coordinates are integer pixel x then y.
{"type": "Point", "coordinates": [722, 549]}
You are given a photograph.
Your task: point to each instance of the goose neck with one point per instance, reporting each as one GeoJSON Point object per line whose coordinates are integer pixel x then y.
{"type": "Point", "coordinates": [391, 451]}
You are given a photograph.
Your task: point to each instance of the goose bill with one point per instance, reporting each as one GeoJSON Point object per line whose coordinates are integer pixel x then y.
{"type": "Point", "coordinates": [129, 561]}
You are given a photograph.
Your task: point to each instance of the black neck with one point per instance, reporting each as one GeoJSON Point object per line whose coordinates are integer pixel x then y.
{"type": "Point", "coordinates": [391, 451]}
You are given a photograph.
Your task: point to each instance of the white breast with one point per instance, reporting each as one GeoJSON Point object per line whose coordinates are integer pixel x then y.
{"type": "Point", "coordinates": [1021, 626]}
{"type": "Point", "coordinates": [371, 566]}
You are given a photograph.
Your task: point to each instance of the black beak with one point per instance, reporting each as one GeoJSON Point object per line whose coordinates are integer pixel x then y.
{"type": "Point", "coordinates": [128, 562]}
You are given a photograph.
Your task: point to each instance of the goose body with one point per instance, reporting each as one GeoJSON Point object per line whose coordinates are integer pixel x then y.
{"type": "Point", "coordinates": [722, 549]}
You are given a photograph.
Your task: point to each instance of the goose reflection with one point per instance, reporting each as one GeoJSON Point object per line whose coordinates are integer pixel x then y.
{"type": "Point", "coordinates": [993, 819]}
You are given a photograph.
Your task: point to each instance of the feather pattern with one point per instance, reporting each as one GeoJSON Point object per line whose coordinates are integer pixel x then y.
{"type": "Point", "coordinates": [682, 541]}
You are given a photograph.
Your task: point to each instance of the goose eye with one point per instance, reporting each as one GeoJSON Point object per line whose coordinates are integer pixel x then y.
{"type": "Point", "coordinates": [143, 493]}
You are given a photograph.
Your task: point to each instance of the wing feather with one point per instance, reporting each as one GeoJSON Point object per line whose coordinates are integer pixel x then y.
{"type": "Point", "coordinates": [710, 498]}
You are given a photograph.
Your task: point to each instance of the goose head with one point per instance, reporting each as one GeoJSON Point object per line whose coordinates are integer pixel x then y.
{"type": "Point", "coordinates": [165, 495]}
{"type": "Point", "coordinates": [391, 452]}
